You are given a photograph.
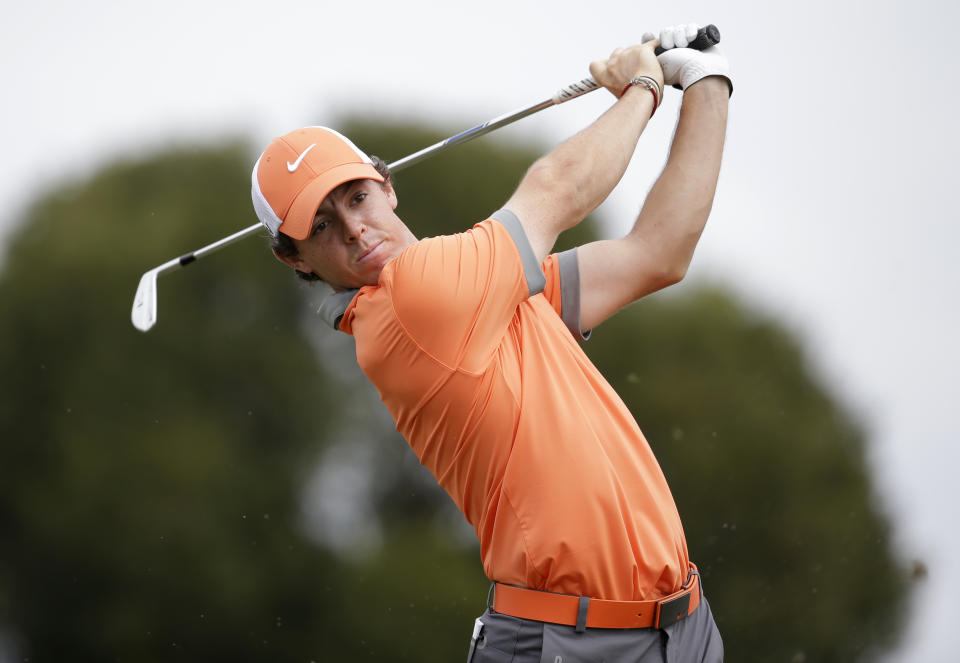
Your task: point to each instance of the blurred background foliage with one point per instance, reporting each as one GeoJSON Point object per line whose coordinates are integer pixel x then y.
{"type": "Point", "coordinates": [227, 487]}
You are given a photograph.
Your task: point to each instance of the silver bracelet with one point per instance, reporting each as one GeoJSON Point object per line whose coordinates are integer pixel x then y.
{"type": "Point", "coordinates": [649, 83]}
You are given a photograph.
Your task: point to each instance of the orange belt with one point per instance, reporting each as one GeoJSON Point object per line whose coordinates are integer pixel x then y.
{"type": "Point", "coordinates": [583, 612]}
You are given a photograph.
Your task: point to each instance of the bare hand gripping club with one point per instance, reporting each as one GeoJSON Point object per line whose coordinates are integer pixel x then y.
{"type": "Point", "coordinates": [144, 313]}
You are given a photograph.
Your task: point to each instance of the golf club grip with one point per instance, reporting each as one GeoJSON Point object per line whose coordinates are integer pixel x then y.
{"type": "Point", "coordinates": [706, 37]}
{"type": "Point", "coordinates": [574, 90]}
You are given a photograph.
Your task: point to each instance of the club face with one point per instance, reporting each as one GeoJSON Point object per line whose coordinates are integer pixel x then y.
{"type": "Point", "coordinates": [144, 313]}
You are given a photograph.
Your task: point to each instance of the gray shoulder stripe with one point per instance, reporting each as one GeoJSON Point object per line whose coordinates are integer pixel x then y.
{"type": "Point", "coordinates": [334, 306]}
{"type": "Point", "coordinates": [570, 293]}
{"type": "Point", "coordinates": [536, 281]}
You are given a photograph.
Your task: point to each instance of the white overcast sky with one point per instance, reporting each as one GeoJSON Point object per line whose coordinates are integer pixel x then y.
{"type": "Point", "coordinates": [833, 211]}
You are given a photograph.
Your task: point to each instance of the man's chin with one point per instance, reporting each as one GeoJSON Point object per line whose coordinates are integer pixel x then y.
{"type": "Point", "coordinates": [356, 284]}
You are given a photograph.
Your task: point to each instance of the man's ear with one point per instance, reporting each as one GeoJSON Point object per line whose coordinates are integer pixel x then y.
{"type": "Point", "coordinates": [391, 193]}
{"type": "Point", "coordinates": [292, 261]}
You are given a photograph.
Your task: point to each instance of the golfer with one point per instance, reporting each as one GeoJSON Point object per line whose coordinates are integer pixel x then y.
{"type": "Point", "coordinates": [472, 341]}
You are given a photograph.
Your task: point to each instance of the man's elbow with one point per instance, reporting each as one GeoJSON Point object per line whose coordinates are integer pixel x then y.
{"type": "Point", "coordinates": [671, 275]}
{"type": "Point", "coordinates": [551, 179]}
{"type": "Point", "coordinates": [676, 274]}
{"type": "Point", "coordinates": [672, 269]}
{"type": "Point", "coordinates": [656, 278]}
{"type": "Point", "coordinates": [678, 259]}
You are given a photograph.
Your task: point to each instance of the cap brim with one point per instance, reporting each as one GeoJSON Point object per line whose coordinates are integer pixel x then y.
{"type": "Point", "coordinates": [299, 219]}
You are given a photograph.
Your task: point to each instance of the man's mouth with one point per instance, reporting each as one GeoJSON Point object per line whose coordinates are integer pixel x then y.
{"type": "Point", "coordinates": [368, 251]}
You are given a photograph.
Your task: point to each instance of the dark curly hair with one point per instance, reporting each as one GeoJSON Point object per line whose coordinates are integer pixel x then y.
{"type": "Point", "coordinates": [283, 244]}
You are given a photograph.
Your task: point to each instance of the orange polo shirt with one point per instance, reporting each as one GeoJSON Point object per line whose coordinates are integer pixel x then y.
{"type": "Point", "coordinates": [463, 338]}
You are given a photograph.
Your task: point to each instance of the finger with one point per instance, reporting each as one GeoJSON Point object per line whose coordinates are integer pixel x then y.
{"type": "Point", "coordinates": [691, 32]}
{"type": "Point", "coordinates": [597, 69]}
{"type": "Point", "coordinates": [666, 38]}
{"type": "Point", "coordinates": [647, 36]}
{"type": "Point", "coordinates": [680, 36]}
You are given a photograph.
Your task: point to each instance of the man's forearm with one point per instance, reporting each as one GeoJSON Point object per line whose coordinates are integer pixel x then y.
{"type": "Point", "coordinates": [591, 163]}
{"type": "Point", "coordinates": [677, 207]}
{"type": "Point", "coordinates": [561, 188]}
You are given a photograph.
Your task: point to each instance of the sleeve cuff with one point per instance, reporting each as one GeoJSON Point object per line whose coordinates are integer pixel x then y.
{"type": "Point", "coordinates": [570, 293]}
{"type": "Point", "coordinates": [536, 281]}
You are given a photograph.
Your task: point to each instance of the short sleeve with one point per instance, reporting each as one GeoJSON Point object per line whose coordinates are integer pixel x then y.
{"type": "Point", "coordinates": [455, 295]}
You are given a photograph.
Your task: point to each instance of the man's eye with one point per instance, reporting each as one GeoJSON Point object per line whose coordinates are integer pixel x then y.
{"type": "Point", "coordinates": [359, 197]}
{"type": "Point", "coordinates": [320, 226]}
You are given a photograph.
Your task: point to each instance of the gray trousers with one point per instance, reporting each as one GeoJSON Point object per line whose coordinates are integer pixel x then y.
{"type": "Point", "coordinates": [503, 639]}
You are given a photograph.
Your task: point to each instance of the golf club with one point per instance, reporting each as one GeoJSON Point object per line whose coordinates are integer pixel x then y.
{"type": "Point", "coordinates": [144, 313]}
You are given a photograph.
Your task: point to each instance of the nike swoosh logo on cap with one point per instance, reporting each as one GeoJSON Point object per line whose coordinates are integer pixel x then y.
{"type": "Point", "coordinates": [292, 167]}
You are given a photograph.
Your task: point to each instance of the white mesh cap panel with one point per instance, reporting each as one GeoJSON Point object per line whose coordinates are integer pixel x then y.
{"type": "Point", "coordinates": [260, 205]}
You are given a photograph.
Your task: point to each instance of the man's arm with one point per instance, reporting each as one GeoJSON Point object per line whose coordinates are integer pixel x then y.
{"type": "Point", "coordinates": [563, 187]}
{"type": "Point", "coordinates": [658, 249]}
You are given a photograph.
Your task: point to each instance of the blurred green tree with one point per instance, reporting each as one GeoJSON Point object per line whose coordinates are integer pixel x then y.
{"type": "Point", "coordinates": [152, 486]}
{"type": "Point", "coordinates": [148, 482]}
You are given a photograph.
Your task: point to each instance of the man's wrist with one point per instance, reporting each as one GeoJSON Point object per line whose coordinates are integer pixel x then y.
{"type": "Point", "coordinates": [649, 84]}
{"type": "Point", "coordinates": [717, 84]}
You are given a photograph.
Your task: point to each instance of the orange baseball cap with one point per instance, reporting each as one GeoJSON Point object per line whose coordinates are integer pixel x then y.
{"type": "Point", "coordinates": [297, 171]}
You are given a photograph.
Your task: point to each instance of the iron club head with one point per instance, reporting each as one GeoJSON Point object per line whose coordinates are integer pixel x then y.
{"type": "Point", "coordinates": [144, 313]}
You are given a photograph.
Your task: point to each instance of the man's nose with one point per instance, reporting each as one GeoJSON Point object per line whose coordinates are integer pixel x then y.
{"type": "Point", "coordinates": [353, 227]}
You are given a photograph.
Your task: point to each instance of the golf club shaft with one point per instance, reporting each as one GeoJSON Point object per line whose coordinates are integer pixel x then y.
{"type": "Point", "coordinates": [584, 86]}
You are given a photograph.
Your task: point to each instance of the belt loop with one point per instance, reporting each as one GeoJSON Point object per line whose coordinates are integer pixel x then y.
{"type": "Point", "coordinates": [490, 596]}
{"type": "Point", "coordinates": [693, 571]}
{"type": "Point", "coordinates": [582, 614]}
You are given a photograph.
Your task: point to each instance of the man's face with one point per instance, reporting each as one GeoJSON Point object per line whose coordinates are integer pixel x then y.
{"type": "Point", "coordinates": [355, 233]}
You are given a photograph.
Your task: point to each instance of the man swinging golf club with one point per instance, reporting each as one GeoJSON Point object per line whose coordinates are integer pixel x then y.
{"type": "Point", "coordinates": [472, 342]}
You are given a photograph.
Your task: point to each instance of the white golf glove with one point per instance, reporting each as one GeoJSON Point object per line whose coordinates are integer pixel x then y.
{"type": "Point", "coordinates": [682, 67]}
